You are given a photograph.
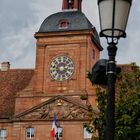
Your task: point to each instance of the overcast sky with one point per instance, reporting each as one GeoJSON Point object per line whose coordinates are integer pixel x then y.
{"type": "Point", "coordinates": [20, 19]}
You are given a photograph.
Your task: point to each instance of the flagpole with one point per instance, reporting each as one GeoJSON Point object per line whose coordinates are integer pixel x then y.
{"type": "Point", "coordinates": [57, 138]}
{"type": "Point", "coordinates": [54, 131]}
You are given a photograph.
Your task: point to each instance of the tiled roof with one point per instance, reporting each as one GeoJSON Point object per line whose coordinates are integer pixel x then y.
{"type": "Point", "coordinates": [125, 68]}
{"type": "Point", "coordinates": [17, 81]}
{"type": "Point", "coordinates": [11, 82]}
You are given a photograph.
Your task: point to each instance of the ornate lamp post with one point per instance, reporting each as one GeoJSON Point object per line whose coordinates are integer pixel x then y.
{"type": "Point", "coordinates": [113, 20]}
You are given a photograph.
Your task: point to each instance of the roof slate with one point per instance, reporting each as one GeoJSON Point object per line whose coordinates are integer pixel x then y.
{"type": "Point", "coordinates": [77, 21]}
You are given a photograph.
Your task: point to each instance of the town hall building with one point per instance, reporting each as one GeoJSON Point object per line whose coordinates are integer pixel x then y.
{"type": "Point", "coordinates": [67, 46]}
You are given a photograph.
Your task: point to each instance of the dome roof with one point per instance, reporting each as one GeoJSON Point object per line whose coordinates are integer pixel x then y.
{"type": "Point", "coordinates": [73, 20]}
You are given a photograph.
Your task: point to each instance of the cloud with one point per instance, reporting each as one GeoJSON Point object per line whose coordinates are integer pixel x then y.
{"type": "Point", "coordinates": [19, 20]}
{"type": "Point", "coordinates": [16, 36]}
{"type": "Point", "coordinates": [128, 49]}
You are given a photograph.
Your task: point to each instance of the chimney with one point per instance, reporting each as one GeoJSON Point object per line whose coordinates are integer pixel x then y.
{"type": "Point", "coordinates": [5, 66]}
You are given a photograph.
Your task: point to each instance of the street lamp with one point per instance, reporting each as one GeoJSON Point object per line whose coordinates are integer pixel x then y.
{"type": "Point", "coordinates": [113, 16]}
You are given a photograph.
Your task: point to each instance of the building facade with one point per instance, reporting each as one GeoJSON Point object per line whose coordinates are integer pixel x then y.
{"type": "Point", "coordinates": [67, 46]}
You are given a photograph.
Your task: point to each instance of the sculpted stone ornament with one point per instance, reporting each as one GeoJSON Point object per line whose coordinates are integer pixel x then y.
{"type": "Point", "coordinates": [65, 111]}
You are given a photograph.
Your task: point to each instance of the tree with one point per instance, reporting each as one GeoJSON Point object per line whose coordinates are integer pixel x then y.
{"type": "Point", "coordinates": [127, 108]}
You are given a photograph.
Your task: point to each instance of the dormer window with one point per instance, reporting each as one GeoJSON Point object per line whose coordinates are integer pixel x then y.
{"type": "Point", "coordinates": [63, 24]}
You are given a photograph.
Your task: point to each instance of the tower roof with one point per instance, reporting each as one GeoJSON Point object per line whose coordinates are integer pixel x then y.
{"type": "Point", "coordinates": [74, 20]}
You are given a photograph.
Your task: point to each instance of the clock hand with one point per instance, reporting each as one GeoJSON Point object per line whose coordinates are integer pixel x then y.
{"type": "Point", "coordinates": [66, 67]}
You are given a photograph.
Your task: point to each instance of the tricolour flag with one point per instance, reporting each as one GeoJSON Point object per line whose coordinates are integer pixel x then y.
{"type": "Point", "coordinates": [54, 129]}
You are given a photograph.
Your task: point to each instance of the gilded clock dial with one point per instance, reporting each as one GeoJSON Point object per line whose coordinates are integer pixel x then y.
{"type": "Point", "coordinates": [61, 68]}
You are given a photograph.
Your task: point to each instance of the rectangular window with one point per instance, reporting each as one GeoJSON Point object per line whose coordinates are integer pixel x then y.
{"type": "Point", "coordinates": [3, 134]}
{"type": "Point", "coordinates": [59, 133]}
{"type": "Point", "coordinates": [29, 133]}
{"type": "Point", "coordinates": [87, 134]}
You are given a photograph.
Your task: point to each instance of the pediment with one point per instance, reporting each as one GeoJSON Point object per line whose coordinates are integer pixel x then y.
{"type": "Point", "coordinates": [63, 107]}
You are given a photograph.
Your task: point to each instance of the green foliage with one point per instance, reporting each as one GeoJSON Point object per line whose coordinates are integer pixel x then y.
{"type": "Point", "coordinates": [99, 121]}
{"type": "Point", "coordinates": [128, 106]}
{"type": "Point", "coordinates": [127, 110]}
{"type": "Point", "coordinates": [97, 125]}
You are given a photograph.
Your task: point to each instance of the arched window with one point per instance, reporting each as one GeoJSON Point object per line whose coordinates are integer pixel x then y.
{"type": "Point", "coordinates": [70, 4]}
{"type": "Point", "coordinates": [63, 24]}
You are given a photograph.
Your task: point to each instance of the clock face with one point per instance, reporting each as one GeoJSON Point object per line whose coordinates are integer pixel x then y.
{"type": "Point", "coordinates": [61, 68]}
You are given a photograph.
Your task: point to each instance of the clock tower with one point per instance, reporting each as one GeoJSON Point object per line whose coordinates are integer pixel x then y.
{"type": "Point", "coordinates": [67, 48]}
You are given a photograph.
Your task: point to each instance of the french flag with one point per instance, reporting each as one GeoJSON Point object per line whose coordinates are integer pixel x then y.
{"type": "Point", "coordinates": [54, 129]}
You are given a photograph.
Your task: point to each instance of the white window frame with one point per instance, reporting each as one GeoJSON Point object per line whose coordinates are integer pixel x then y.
{"type": "Point", "coordinates": [3, 134]}
{"type": "Point", "coordinates": [59, 133]}
{"type": "Point", "coordinates": [87, 134]}
{"type": "Point", "coordinates": [30, 133]}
